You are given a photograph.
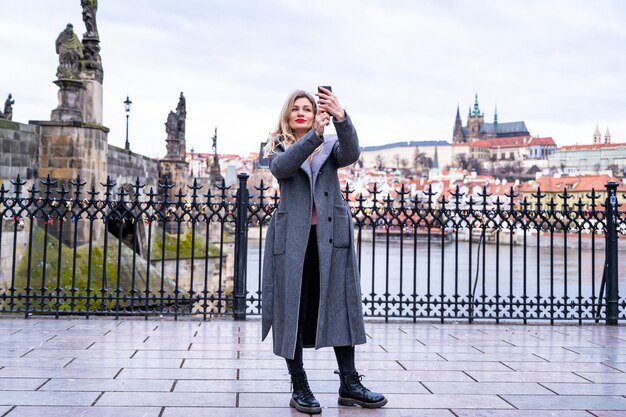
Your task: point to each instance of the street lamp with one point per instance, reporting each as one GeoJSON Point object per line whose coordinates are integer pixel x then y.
{"type": "Point", "coordinates": [127, 104]}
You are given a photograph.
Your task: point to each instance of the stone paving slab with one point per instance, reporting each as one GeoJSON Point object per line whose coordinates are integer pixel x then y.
{"type": "Point", "coordinates": [35, 362]}
{"type": "Point", "coordinates": [20, 384]}
{"type": "Point", "coordinates": [586, 389]}
{"type": "Point", "coordinates": [55, 411]}
{"type": "Point", "coordinates": [47, 372]}
{"type": "Point", "coordinates": [47, 398]}
{"type": "Point", "coordinates": [126, 363]}
{"type": "Point", "coordinates": [172, 373]}
{"type": "Point", "coordinates": [604, 378]}
{"type": "Point", "coordinates": [476, 365]}
{"type": "Point", "coordinates": [525, 413]}
{"type": "Point", "coordinates": [570, 402]}
{"type": "Point", "coordinates": [165, 368]}
{"type": "Point", "coordinates": [512, 376]}
{"type": "Point", "coordinates": [167, 399]}
{"type": "Point", "coordinates": [80, 353]}
{"type": "Point", "coordinates": [495, 388]}
{"type": "Point", "coordinates": [187, 354]}
{"type": "Point", "coordinates": [108, 385]}
{"type": "Point", "coordinates": [560, 367]}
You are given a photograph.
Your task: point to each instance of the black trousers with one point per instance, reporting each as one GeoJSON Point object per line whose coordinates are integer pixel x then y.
{"type": "Point", "coordinates": [308, 313]}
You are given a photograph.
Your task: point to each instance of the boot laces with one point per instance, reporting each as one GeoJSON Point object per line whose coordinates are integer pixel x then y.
{"type": "Point", "coordinates": [357, 382]}
{"type": "Point", "coordinates": [307, 390]}
{"type": "Point", "coordinates": [301, 384]}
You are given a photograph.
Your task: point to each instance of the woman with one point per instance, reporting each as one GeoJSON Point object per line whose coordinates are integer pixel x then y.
{"type": "Point", "coordinates": [311, 285]}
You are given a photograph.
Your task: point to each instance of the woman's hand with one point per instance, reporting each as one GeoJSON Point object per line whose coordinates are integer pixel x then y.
{"type": "Point", "coordinates": [322, 119]}
{"type": "Point", "coordinates": [329, 103]}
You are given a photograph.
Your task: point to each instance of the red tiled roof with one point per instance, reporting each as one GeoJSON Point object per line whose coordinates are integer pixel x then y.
{"type": "Point", "coordinates": [591, 146]}
{"type": "Point", "coordinates": [512, 142]}
{"type": "Point", "coordinates": [542, 142]}
{"type": "Point", "coordinates": [579, 183]}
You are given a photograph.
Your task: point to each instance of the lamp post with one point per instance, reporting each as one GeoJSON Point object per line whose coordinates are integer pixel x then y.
{"type": "Point", "coordinates": [127, 104]}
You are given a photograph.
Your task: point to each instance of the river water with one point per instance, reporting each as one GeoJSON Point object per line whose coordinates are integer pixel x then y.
{"type": "Point", "coordinates": [422, 269]}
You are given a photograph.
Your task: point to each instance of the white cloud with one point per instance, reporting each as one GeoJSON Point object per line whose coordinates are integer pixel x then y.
{"type": "Point", "coordinates": [400, 68]}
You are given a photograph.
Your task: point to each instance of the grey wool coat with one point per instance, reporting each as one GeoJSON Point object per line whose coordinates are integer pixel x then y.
{"type": "Point", "coordinates": [340, 316]}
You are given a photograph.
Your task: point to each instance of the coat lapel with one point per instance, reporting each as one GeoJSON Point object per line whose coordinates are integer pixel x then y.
{"type": "Point", "coordinates": [321, 157]}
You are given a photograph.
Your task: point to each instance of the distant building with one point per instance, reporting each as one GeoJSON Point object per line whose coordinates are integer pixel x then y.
{"type": "Point", "coordinates": [578, 186]}
{"type": "Point", "coordinates": [517, 148]}
{"type": "Point", "coordinates": [477, 129]}
{"type": "Point", "coordinates": [541, 148]}
{"type": "Point", "coordinates": [402, 154]}
{"type": "Point", "coordinates": [597, 138]}
{"type": "Point", "coordinates": [592, 158]}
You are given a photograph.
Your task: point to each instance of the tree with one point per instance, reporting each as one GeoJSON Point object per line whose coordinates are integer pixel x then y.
{"type": "Point", "coordinates": [380, 162]}
{"type": "Point", "coordinates": [462, 161]}
{"type": "Point", "coordinates": [468, 163]}
{"type": "Point", "coordinates": [614, 169]}
{"type": "Point", "coordinates": [421, 162]}
{"type": "Point", "coordinates": [396, 159]}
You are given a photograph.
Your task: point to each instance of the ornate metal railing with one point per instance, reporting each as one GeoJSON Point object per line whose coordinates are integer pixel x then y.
{"type": "Point", "coordinates": [123, 250]}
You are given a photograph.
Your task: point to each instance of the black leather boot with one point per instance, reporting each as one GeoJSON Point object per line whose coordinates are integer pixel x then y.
{"type": "Point", "coordinates": [352, 392]}
{"type": "Point", "coordinates": [302, 399]}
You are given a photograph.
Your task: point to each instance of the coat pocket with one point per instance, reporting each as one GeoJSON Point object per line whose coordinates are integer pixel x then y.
{"type": "Point", "coordinates": [341, 226]}
{"type": "Point", "coordinates": [280, 233]}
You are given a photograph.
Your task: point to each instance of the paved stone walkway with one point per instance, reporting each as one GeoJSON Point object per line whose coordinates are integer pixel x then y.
{"type": "Point", "coordinates": [163, 368]}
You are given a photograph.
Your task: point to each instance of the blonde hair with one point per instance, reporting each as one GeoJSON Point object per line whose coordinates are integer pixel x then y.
{"type": "Point", "coordinates": [283, 134]}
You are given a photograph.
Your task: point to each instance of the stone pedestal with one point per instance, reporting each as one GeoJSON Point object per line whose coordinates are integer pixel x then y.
{"type": "Point", "coordinates": [215, 174]}
{"type": "Point", "coordinates": [68, 149]}
{"type": "Point", "coordinates": [71, 99]}
{"type": "Point", "coordinates": [92, 104]}
{"type": "Point", "coordinates": [92, 75]}
{"type": "Point", "coordinates": [176, 173]}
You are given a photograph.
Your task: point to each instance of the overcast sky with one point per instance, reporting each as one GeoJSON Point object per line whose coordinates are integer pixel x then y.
{"type": "Point", "coordinates": [400, 67]}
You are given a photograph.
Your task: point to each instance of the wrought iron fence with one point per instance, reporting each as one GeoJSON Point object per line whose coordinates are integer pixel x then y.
{"type": "Point", "coordinates": [123, 250]}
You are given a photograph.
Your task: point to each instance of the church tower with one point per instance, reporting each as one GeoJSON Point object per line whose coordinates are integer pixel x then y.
{"type": "Point", "coordinates": [607, 136]}
{"type": "Point", "coordinates": [597, 137]}
{"type": "Point", "coordinates": [474, 121]}
{"type": "Point", "coordinates": [457, 134]}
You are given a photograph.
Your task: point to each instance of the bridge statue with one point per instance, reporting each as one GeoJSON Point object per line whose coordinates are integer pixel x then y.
{"type": "Point", "coordinates": [90, 7]}
{"type": "Point", "coordinates": [70, 51]}
{"type": "Point", "coordinates": [8, 108]}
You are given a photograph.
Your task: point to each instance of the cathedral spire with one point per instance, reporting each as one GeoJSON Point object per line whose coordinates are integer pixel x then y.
{"type": "Point", "coordinates": [457, 133]}
{"type": "Point", "coordinates": [597, 137]}
{"type": "Point", "coordinates": [476, 111]}
{"type": "Point", "coordinates": [495, 116]}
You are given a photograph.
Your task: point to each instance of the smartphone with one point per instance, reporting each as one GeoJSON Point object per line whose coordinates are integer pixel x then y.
{"type": "Point", "coordinates": [328, 87]}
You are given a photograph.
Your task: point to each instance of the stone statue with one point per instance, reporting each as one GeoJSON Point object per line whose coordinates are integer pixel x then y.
{"type": "Point", "coordinates": [214, 146]}
{"type": "Point", "coordinates": [171, 125]}
{"type": "Point", "coordinates": [181, 113]}
{"type": "Point", "coordinates": [90, 7]}
{"type": "Point", "coordinates": [215, 175]}
{"type": "Point", "coordinates": [175, 128]}
{"type": "Point", "coordinates": [70, 51]}
{"type": "Point", "coordinates": [8, 108]}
